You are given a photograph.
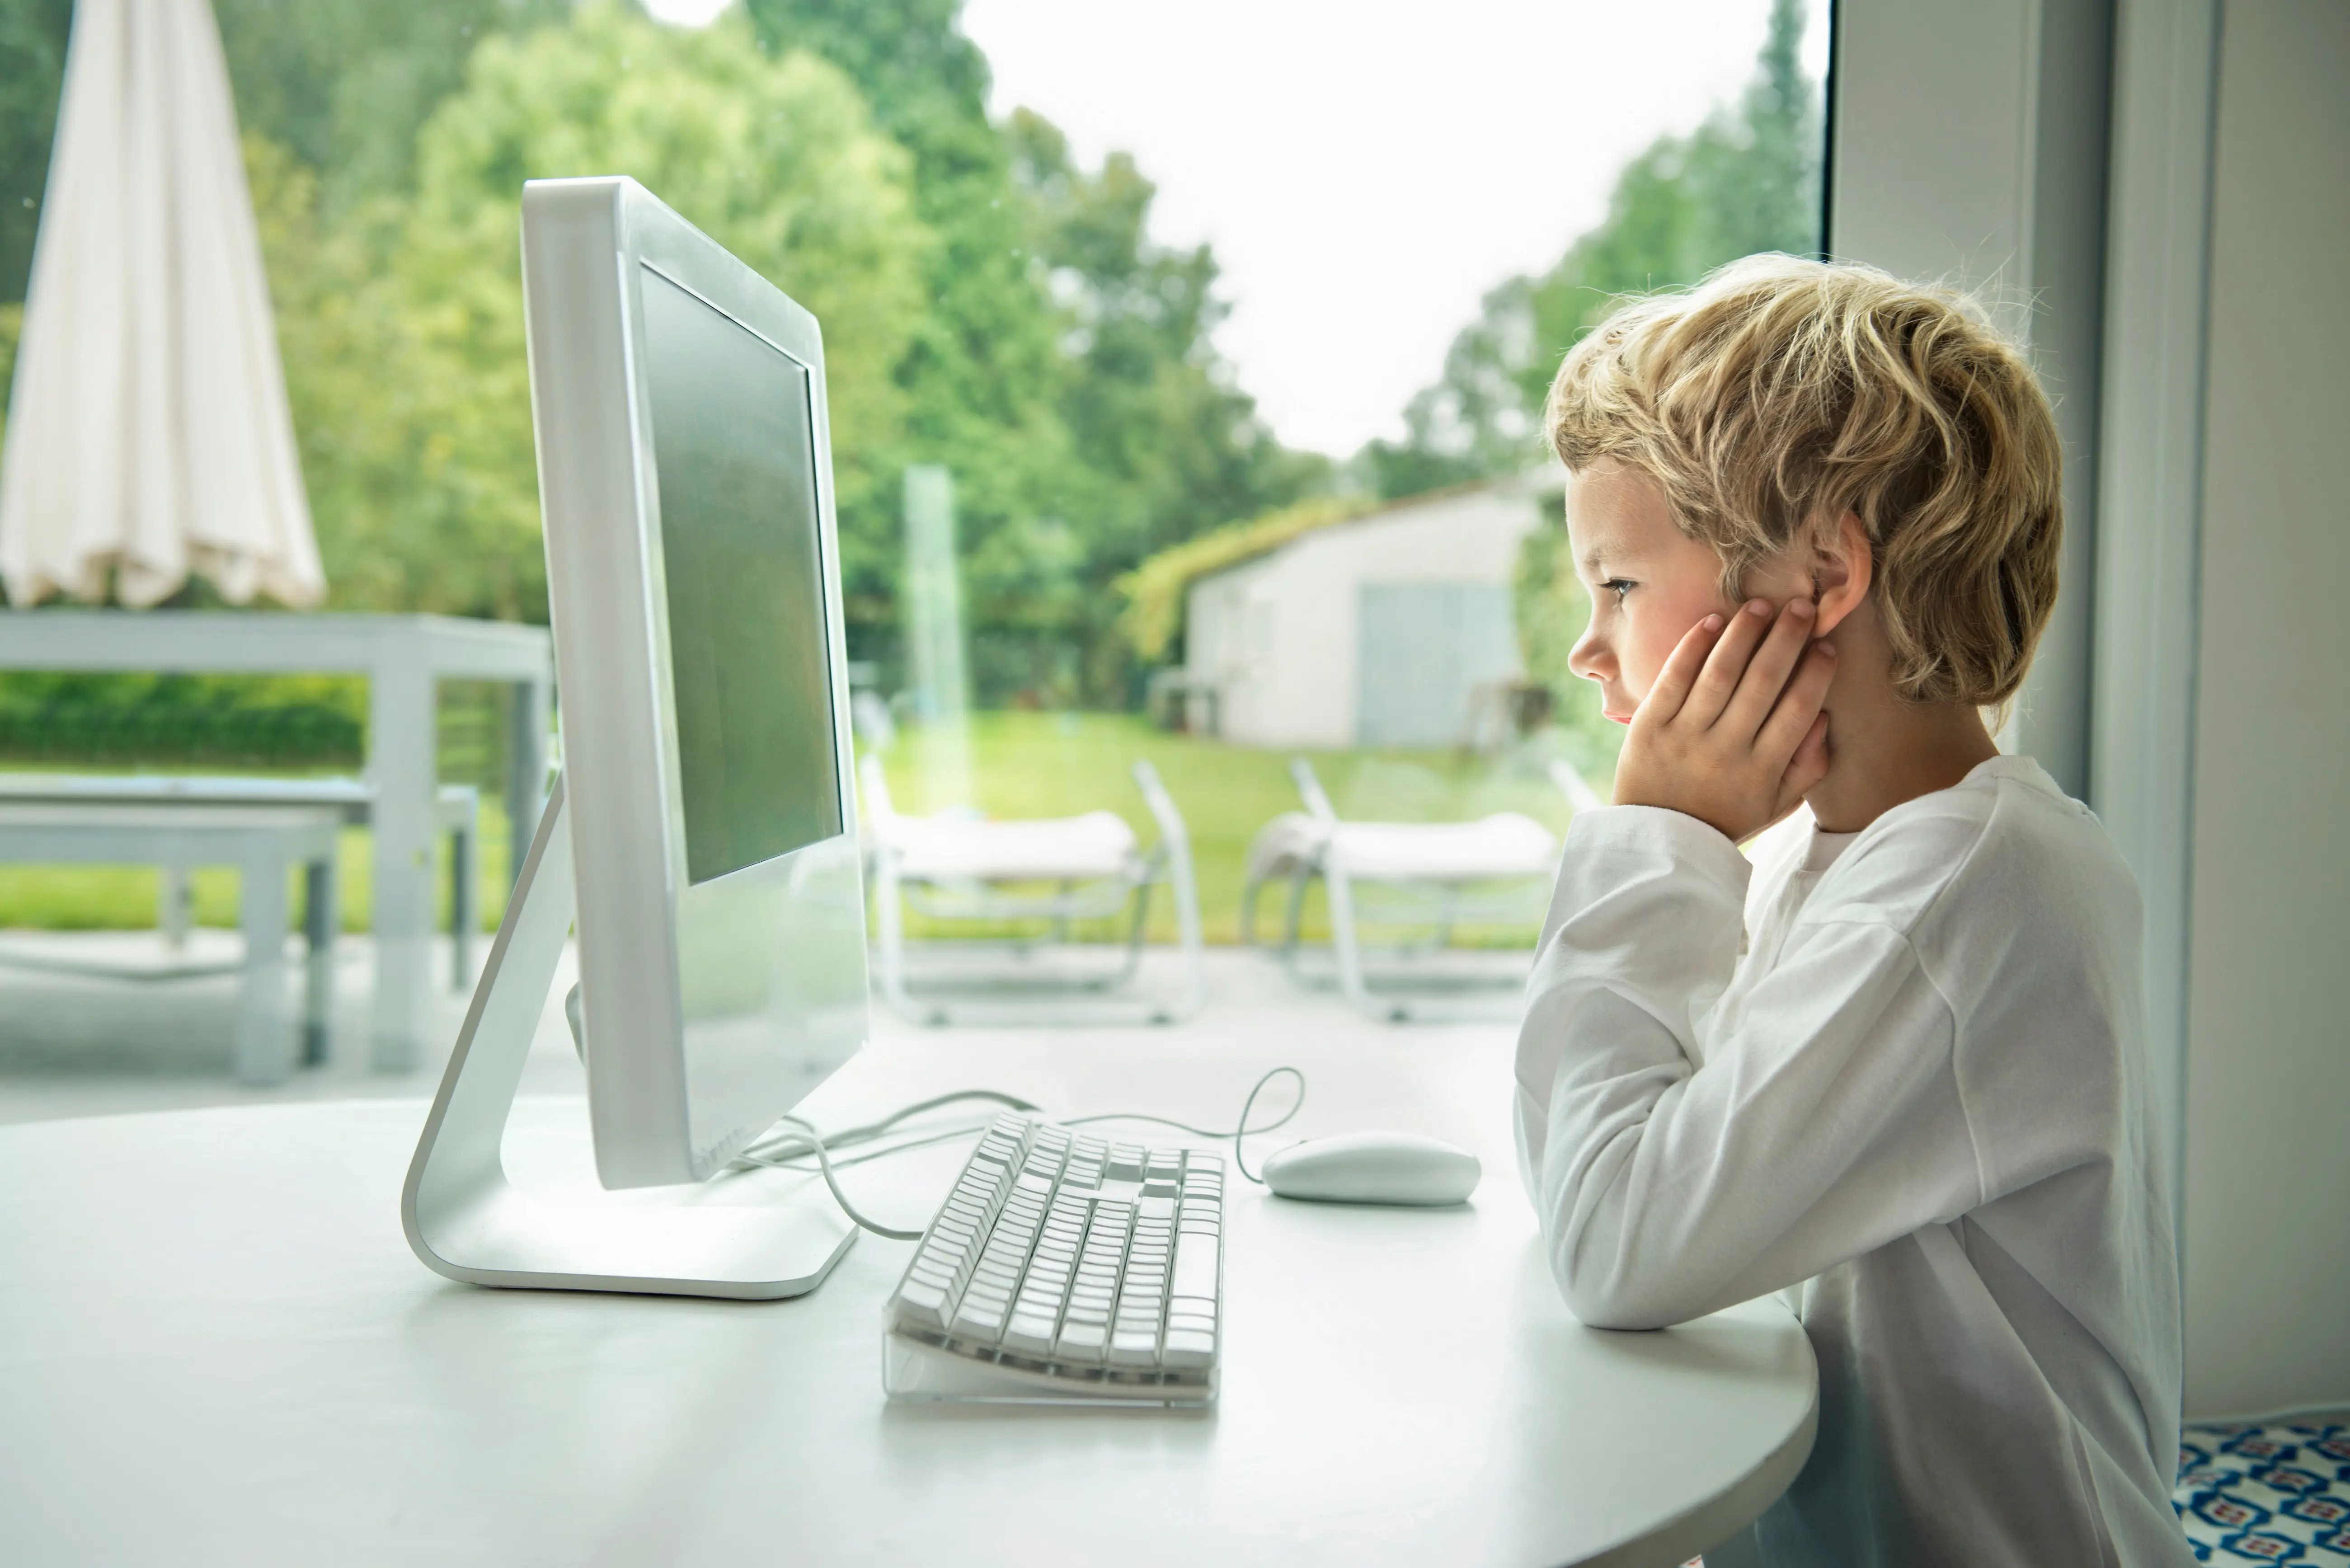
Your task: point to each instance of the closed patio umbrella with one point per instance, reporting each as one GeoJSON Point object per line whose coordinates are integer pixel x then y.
{"type": "Point", "coordinates": [147, 432]}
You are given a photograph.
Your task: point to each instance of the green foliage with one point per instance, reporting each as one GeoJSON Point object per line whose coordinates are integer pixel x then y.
{"type": "Point", "coordinates": [1748, 180]}
{"type": "Point", "coordinates": [987, 303]}
{"type": "Point", "coordinates": [1064, 369]}
{"type": "Point", "coordinates": [12, 329]}
{"type": "Point", "coordinates": [1163, 443]}
{"type": "Point", "coordinates": [32, 66]}
{"type": "Point", "coordinates": [183, 720]}
{"type": "Point", "coordinates": [345, 84]}
{"type": "Point", "coordinates": [401, 323]}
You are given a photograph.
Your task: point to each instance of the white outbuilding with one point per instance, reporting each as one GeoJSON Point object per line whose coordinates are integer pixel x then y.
{"type": "Point", "coordinates": [1390, 629]}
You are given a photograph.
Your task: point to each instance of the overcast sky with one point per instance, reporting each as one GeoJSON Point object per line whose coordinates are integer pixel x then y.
{"type": "Point", "coordinates": [1366, 171]}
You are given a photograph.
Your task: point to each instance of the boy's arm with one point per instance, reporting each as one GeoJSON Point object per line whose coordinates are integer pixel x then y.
{"type": "Point", "coordinates": [1825, 1120]}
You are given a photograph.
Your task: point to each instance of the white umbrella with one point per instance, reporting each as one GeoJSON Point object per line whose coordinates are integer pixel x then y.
{"type": "Point", "coordinates": [147, 429]}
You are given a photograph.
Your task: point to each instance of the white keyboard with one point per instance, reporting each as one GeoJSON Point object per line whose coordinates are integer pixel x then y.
{"type": "Point", "coordinates": [1064, 1266]}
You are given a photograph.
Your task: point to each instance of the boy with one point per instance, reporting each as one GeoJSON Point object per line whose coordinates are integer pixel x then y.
{"type": "Point", "coordinates": [1893, 1066]}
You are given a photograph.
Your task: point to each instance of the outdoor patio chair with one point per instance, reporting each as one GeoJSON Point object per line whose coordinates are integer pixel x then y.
{"type": "Point", "coordinates": [971, 870]}
{"type": "Point", "coordinates": [1497, 870]}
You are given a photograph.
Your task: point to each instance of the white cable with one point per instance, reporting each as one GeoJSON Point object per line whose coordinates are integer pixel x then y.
{"type": "Point", "coordinates": [824, 1161]}
{"type": "Point", "coordinates": [848, 1137]}
{"type": "Point", "coordinates": [1238, 1133]}
{"type": "Point", "coordinates": [773, 1153]}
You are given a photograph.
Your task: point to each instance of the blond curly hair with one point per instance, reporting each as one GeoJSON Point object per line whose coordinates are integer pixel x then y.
{"type": "Point", "coordinates": [1780, 393]}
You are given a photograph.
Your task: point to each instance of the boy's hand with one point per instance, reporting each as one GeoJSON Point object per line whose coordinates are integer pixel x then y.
{"type": "Point", "coordinates": [1731, 733]}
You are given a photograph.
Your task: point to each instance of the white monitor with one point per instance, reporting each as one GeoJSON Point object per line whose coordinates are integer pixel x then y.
{"type": "Point", "coordinates": [694, 581]}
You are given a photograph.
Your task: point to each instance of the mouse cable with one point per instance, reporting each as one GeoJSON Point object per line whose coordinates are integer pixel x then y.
{"type": "Point", "coordinates": [772, 1152]}
{"type": "Point", "coordinates": [1238, 1133]}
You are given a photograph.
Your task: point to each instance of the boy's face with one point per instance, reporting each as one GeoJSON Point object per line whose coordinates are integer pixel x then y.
{"type": "Point", "coordinates": [1648, 582]}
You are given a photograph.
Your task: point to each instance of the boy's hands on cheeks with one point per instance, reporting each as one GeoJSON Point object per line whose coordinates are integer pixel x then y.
{"type": "Point", "coordinates": [1732, 732]}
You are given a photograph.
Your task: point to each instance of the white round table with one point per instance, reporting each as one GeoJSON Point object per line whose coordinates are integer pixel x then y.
{"type": "Point", "coordinates": [215, 1347]}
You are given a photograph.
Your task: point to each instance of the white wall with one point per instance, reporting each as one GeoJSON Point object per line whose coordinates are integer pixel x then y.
{"type": "Point", "coordinates": [1279, 635]}
{"type": "Point", "coordinates": [2267, 1211]}
{"type": "Point", "coordinates": [2217, 712]}
{"type": "Point", "coordinates": [1987, 170]}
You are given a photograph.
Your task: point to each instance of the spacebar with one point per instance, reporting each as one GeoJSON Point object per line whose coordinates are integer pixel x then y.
{"type": "Point", "coordinates": [1195, 1266]}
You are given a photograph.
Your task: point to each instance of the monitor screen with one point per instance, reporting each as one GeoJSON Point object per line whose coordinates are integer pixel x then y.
{"type": "Point", "coordinates": [734, 447]}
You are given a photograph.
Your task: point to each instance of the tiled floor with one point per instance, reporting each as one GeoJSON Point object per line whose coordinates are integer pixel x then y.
{"type": "Point", "coordinates": [2276, 1492]}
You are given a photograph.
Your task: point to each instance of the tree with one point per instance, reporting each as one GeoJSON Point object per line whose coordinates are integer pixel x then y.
{"type": "Point", "coordinates": [401, 321]}
{"type": "Point", "coordinates": [1747, 179]}
{"type": "Point", "coordinates": [32, 66]}
{"type": "Point", "coordinates": [346, 85]}
{"type": "Point", "coordinates": [1064, 371]}
{"type": "Point", "coordinates": [987, 304]}
{"type": "Point", "coordinates": [343, 85]}
{"type": "Point", "coordinates": [1165, 445]}
{"type": "Point", "coordinates": [980, 372]}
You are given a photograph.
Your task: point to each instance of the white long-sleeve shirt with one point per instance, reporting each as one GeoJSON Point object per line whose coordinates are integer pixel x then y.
{"type": "Point", "coordinates": [1899, 1074]}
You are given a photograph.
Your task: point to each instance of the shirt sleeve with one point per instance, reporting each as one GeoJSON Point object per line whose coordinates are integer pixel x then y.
{"type": "Point", "coordinates": [1823, 1122]}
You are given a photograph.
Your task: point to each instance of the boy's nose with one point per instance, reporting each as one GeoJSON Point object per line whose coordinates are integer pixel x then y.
{"type": "Point", "coordinates": [1590, 657]}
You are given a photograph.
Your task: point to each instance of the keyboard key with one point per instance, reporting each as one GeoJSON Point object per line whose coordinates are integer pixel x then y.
{"type": "Point", "coordinates": [1189, 1348]}
{"type": "Point", "coordinates": [978, 1323]}
{"type": "Point", "coordinates": [1195, 1267]}
{"type": "Point", "coordinates": [922, 1305]}
{"type": "Point", "coordinates": [1131, 1348]}
{"type": "Point", "coordinates": [1030, 1334]}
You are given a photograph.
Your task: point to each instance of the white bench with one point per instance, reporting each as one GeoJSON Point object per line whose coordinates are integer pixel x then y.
{"type": "Point", "coordinates": [263, 843]}
{"type": "Point", "coordinates": [456, 812]}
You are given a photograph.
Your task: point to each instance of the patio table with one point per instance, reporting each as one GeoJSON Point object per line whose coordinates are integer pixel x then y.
{"type": "Point", "coordinates": [402, 657]}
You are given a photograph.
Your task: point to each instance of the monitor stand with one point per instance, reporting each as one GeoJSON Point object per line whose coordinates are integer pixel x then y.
{"type": "Point", "coordinates": [466, 1220]}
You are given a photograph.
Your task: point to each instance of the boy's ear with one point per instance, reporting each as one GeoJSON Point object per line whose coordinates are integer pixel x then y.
{"type": "Point", "coordinates": [1842, 568]}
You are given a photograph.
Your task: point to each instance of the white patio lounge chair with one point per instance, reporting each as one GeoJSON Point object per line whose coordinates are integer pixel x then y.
{"type": "Point", "coordinates": [1439, 874]}
{"type": "Point", "coordinates": [970, 870]}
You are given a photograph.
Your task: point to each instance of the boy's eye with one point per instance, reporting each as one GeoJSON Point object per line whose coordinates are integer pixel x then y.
{"type": "Point", "coordinates": [1619, 586]}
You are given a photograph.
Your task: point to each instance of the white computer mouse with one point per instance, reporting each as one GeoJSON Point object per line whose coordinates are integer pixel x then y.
{"type": "Point", "coordinates": [1373, 1167]}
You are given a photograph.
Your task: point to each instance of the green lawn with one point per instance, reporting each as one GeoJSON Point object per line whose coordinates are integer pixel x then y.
{"type": "Point", "coordinates": [1023, 764]}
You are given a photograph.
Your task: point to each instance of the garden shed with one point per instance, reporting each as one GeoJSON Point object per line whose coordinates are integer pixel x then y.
{"type": "Point", "coordinates": [1387, 628]}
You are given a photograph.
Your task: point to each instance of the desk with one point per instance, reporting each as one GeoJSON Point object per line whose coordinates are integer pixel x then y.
{"type": "Point", "coordinates": [215, 1347]}
{"type": "Point", "coordinates": [401, 657]}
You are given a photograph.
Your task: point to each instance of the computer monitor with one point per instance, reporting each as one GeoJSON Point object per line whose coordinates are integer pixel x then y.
{"type": "Point", "coordinates": [694, 581]}
{"type": "Point", "coordinates": [704, 830]}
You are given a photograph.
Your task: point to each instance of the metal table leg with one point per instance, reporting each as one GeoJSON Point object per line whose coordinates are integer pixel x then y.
{"type": "Point", "coordinates": [400, 763]}
{"type": "Point", "coordinates": [265, 1042]}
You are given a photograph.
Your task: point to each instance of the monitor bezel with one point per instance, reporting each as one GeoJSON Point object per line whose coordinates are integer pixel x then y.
{"type": "Point", "coordinates": [663, 1110]}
